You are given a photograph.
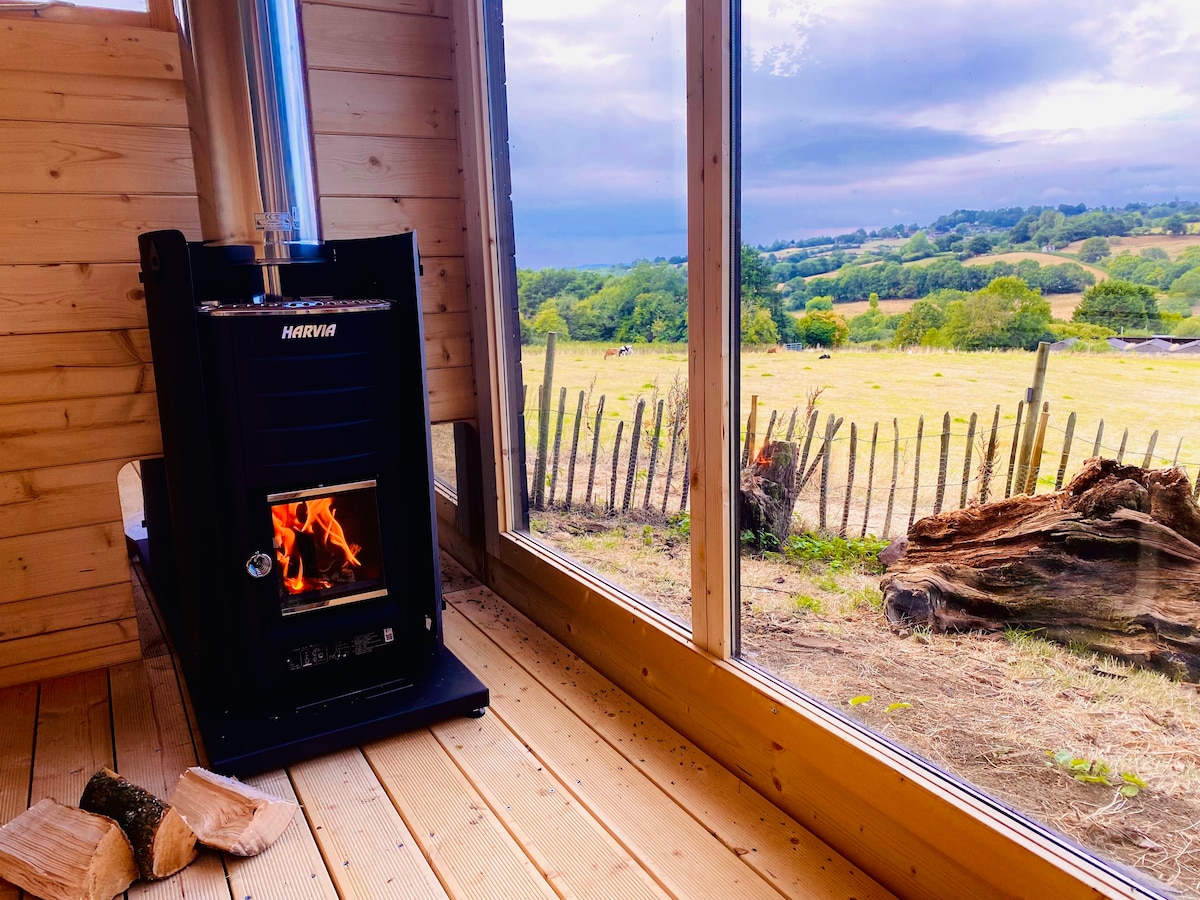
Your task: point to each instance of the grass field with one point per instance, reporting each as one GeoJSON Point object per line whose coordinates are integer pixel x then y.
{"type": "Point", "coordinates": [1141, 393]}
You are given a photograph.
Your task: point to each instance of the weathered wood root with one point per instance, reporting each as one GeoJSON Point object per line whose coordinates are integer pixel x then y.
{"type": "Point", "coordinates": [1112, 562]}
{"type": "Point", "coordinates": [768, 494]}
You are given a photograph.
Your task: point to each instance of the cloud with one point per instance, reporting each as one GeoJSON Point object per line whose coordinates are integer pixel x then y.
{"type": "Point", "coordinates": [851, 110]}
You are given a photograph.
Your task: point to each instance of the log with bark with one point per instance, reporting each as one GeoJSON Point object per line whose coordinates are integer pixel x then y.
{"type": "Point", "coordinates": [229, 815]}
{"type": "Point", "coordinates": [1112, 563]}
{"type": "Point", "coordinates": [60, 852]}
{"type": "Point", "coordinates": [768, 494]}
{"type": "Point", "coordinates": [162, 842]}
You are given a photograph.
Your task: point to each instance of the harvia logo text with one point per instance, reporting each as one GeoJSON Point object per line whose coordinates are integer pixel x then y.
{"type": "Point", "coordinates": [308, 331]}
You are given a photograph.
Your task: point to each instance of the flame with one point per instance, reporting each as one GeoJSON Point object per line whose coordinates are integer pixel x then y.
{"type": "Point", "coordinates": [316, 518]}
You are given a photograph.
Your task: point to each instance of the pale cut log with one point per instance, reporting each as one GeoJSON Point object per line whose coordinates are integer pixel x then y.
{"type": "Point", "coordinates": [162, 842]}
{"type": "Point", "coordinates": [229, 815]}
{"type": "Point", "coordinates": [60, 852]}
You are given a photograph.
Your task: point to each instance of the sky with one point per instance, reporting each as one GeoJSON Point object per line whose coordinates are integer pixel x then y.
{"type": "Point", "coordinates": [855, 113]}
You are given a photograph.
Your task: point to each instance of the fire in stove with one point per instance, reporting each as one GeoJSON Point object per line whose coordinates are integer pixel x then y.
{"type": "Point", "coordinates": [326, 546]}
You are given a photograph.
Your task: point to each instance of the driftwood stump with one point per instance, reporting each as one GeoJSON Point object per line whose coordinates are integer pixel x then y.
{"type": "Point", "coordinates": [768, 494]}
{"type": "Point", "coordinates": [1111, 563]}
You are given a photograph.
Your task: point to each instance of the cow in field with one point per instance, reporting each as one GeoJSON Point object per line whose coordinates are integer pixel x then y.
{"type": "Point", "coordinates": [610, 352]}
{"type": "Point", "coordinates": [625, 350]}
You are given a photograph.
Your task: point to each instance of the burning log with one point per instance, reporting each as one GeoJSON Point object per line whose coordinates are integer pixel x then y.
{"type": "Point", "coordinates": [1112, 563]}
{"type": "Point", "coordinates": [162, 842]}
{"type": "Point", "coordinates": [768, 493]}
{"type": "Point", "coordinates": [59, 852]}
{"type": "Point", "coordinates": [229, 815]}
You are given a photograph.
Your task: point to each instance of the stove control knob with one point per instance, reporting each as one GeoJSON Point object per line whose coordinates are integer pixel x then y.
{"type": "Point", "coordinates": [258, 565]}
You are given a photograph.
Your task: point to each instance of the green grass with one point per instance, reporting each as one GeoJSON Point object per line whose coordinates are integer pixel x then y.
{"type": "Point", "coordinates": [867, 387]}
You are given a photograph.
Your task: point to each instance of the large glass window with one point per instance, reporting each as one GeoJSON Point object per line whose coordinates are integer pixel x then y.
{"type": "Point", "coordinates": [931, 191]}
{"type": "Point", "coordinates": [596, 114]}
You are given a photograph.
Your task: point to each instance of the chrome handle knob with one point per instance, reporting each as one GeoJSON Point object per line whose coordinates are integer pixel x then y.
{"type": "Point", "coordinates": [258, 565]}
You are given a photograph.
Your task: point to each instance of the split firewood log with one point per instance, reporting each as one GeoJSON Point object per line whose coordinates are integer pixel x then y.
{"type": "Point", "coordinates": [162, 842]}
{"type": "Point", "coordinates": [229, 815]}
{"type": "Point", "coordinates": [60, 852]}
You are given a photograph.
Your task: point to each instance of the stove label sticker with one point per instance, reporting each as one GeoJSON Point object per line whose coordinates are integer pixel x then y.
{"type": "Point", "coordinates": [311, 655]}
{"type": "Point", "coordinates": [273, 221]}
{"type": "Point", "coordinates": [308, 331]}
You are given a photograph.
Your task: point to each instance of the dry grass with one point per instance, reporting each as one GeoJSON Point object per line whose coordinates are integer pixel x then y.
{"type": "Point", "coordinates": [982, 707]}
{"type": "Point", "coordinates": [1046, 259]}
{"type": "Point", "coordinates": [1174, 244]}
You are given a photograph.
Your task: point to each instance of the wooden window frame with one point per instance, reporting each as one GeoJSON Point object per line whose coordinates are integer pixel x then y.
{"type": "Point", "coordinates": [159, 14]}
{"type": "Point", "coordinates": [918, 831]}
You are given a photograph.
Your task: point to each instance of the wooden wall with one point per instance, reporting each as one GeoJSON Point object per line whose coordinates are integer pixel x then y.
{"type": "Point", "coordinates": [381, 78]}
{"type": "Point", "coordinates": [94, 149]}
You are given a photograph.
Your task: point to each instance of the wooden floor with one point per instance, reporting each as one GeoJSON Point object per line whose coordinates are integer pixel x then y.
{"type": "Point", "coordinates": [566, 788]}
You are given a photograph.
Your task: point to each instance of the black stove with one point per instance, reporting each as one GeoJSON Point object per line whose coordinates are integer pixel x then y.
{"type": "Point", "coordinates": [292, 533]}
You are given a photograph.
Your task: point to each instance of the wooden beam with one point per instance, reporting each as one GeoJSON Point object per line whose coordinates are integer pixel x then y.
{"type": "Point", "coordinates": [417, 7]}
{"type": "Point", "coordinates": [58, 562]}
{"type": "Point", "coordinates": [452, 395]}
{"type": "Point", "coordinates": [114, 99]}
{"type": "Point", "coordinates": [438, 223]}
{"type": "Point", "coordinates": [373, 166]}
{"type": "Point", "coordinates": [35, 299]}
{"type": "Point", "coordinates": [40, 617]}
{"type": "Point", "coordinates": [90, 429]}
{"type": "Point", "coordinates": [35, 500]}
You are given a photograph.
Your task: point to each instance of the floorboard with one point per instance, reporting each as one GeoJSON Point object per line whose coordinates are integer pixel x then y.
{"type": "Point", "coordinates": [566, 788]}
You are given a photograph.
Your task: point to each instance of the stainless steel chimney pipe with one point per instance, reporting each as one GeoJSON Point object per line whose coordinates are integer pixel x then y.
{"type": "Point", "coordinates": [252, 131]}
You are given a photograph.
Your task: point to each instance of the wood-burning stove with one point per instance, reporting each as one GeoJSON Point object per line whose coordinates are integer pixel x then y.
{"type": "Point", "coordinates": [306, 597]}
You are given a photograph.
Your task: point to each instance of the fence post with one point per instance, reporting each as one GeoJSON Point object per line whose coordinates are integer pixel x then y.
{"type": "Point", "coordinates": [595, 452]}
{"type": "Point", "coordinates": [989, 463]}
{"type": "Point", "coordinates": [675, 429]}
{"type": "Point", "coordinates": [751, 425]}
{"type": "Point", "coordinates": [912, 512]}
{"type": "Point", "coordinates": [962, 498]}
{"type": "Point", "coordinates": [812, 428]}
{"type": "Point", "coordinates": [829, 429]}
{"type": "Point", "coordinates": [687, 477]}
{"type": "Point", "coordinates": [1099, 435]}
{"type": "Point", "coordinates": [1033, 397]}
{"type": "Point", "coordinates": [539, 469]}
{"type": "Point", "coordinates": [849, 478]}
{"type": "Point", "coordinates": [870, 479]}
{"type": "Point", "coordinates": [943, 461]}
{"type": "Point", "coordinates": [653, 453]}
{"type": "Point", "coordinates": [612, 483]}
{"type": "Point", "coordinates": [792, 423]}
{"type": "Point", "coordinates": [634, 440]}
{"type": "Point", "coordinates": [1178, 447]}
{"type": "Point", "coordinates": [1035, 457]}
{"type": "Point", "coordinates": [1068, 439]}
{"type": "Point", "coordinates": [1121, 449]}
{"type": "Point", "coordinates": [1012, 456]}
{"type": "Point", "coordinates": [1150, 449]}
{"type": "Point", "coordinates": [887, 519]}
{"type": "Point", "coordinates": [562, 408]}
{"type": "Point", "coordinates": [574, 451]}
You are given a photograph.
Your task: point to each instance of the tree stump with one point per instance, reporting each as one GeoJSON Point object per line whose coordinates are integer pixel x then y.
{"type": "Point", "coordinates": [1112, 563]}
{"type": "Point", "coordinates": [768, 495]}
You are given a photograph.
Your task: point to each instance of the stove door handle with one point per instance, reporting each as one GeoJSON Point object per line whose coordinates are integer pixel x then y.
{"type": "Point", "coordinates": [258, 565]}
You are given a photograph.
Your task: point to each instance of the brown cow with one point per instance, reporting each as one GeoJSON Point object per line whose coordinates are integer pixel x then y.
{"type": "Point", "coordinates": [772, 349]}
{"type": "Point", "coordinates": [610, 352]}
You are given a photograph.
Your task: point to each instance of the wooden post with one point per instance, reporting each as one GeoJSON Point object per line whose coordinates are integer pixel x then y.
{"type": "Point", "coordinates": [751, 425]}
{"type": "Point", "coordinates": [676, 427]}
{"type": "Point", "coordinates": [1068, 439]}
{"type": "Point", "coordinates": [574, 451]}
{"type": "Point", "coordinates": [912, 510]}
{"type": "Point", "coordinates": [1012, 456]}
{"type": "Point", "coordinates": [1034, 398]}
{"type": "Point", "coordinates": [825, 471]}
{"type": "Point", "coordinates": [770, 428]}
{"type": "Point", "coordinates": [539, 469]}
{"type": "Point", "coordinates": [653, 453]}
{"type": "Point", "coordinates": [1150, 449]}
{"type": "Point", "coordinates": [595, 451]}
{"type": "Point", "coordinates": [819, 456]}
{"type": "Point", "coordinates": [887, 519]}
{"type": "Point", "coordinates": [812, 428]}
{"type": "Point", "coordinates": [634, 443]}
{"type": "Point", "coordinates": [966, 475]}
{"type": "Point", "coordinates": [943, 462]}
{"type": "Point", "coordinates": [1121, 449]}
{"type": "Point", "coordinates": [989, 462]}
{"type": "Point", "coordinates": [1035, 458]}
{"type": "Point", "coordinates": [1099, 435]}
{"type": "Point", "coordinates": [687, 477]}
{"type": "Point", "coordinates": [792, 424]}
{"type": "Point", "coordinates": [870, 479]}
{"type": "Point", "coordinates": [612, 484]}
{"type": "Point", "coordinates": [1178, 447]}
{"type": "Point", "coordinates": [849, 479]}
{"type": "Point", "coordinates": [558, 427]}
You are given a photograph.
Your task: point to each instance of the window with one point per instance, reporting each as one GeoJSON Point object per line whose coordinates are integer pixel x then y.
{"type": "Point", "coordinates": [928, 191]}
